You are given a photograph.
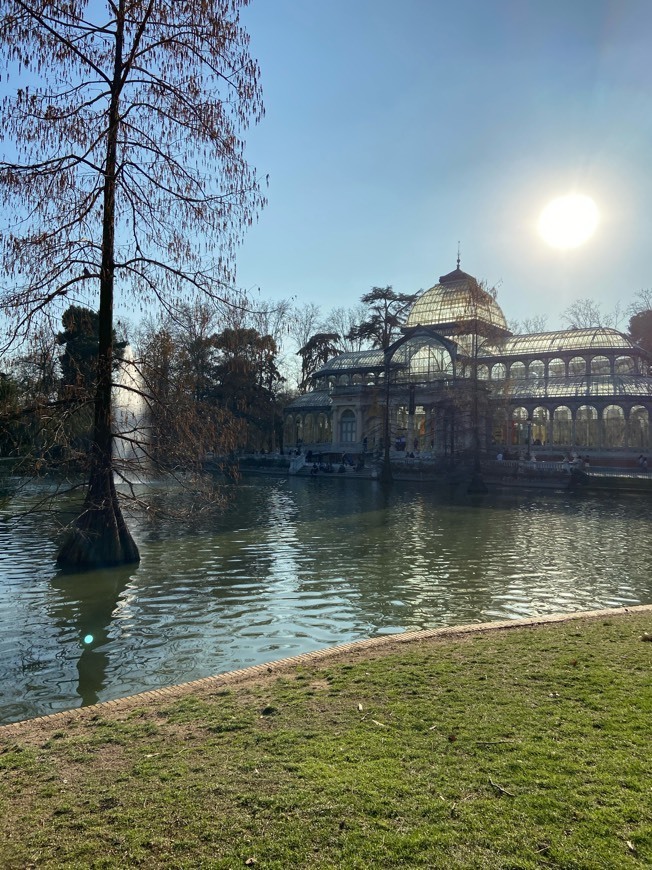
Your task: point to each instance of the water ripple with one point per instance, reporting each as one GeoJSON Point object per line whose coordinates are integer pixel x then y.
{"type": "Point", "coordinates": [296, 566]}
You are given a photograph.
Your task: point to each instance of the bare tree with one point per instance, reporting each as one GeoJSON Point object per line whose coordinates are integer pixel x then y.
{"type": "Point", "coordinates": [529, 325]}
{"type": "Point", "coordinates": [642, 302]}
{"type": "Point", "coordinates": [266, 317]}
{"type": "Point", "coordinates": [343, 321]}
{"type": "Point", "coordinates": [273, 319]}
{"type": "Point", "coordinates": [126, 159]}
{"type": "Point", "coordinates": [305, 322]}
{"type": "Point", "coordinates": [586, 313]}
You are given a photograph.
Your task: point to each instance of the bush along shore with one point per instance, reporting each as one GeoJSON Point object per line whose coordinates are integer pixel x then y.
{"type": "Point", "coordinates": [521, 748]}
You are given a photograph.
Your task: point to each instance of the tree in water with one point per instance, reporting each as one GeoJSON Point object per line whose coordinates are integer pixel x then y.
{"type": "Point", "coordinates": [125, 160]}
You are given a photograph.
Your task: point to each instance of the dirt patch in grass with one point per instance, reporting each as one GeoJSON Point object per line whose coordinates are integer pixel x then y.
{"type": "Point", "coordinates": [523, 748]}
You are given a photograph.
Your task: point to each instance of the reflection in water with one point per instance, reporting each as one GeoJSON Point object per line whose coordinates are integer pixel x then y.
{"type": "Point", "coordinates": [87, 605]}
{"type": "Point", "coordinates": [296, 565]}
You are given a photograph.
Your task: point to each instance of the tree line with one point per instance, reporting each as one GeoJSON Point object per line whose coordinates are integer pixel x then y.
{"type": "Point", "coordinates": [215, 378]}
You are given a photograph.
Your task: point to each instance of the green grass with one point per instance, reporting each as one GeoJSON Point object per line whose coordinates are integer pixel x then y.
{"type": "Point", "coordinates": [521, 749]}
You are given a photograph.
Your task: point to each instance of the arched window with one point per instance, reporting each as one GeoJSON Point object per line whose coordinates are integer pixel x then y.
{"type": "Point", "coordinates": [517, 371]}
{"type": "Point", "coordinates": [298, 430]}
{"type": "Point", "coordinates": [586, 426]}
{"type": "Point", "coordinates": [519, 425]}
{"type": "Point", "coordinates": [540, 419]}
{"type": "Point", "coordinates": [483, 372]}
{"type": "Point", "coordinates": [428, 360]}
{"type": "Point", "coordinates": [577, 367]}
{"type": "Point", "coordinates": [638, 434]}
{"type": "Point", "coordinates": [288, 430]}
{"type": "Point", "coordinates": [498, 372]}
{"type": "Point", "coordinates": [535, 369]}
{"type": "Point", "coordinates": [321, 429]}
{"type": "Point", "coordinates": [562, 426]}
{"type": "Point", "coordinates": [343, 380]}
{"type": "Point", "coordinates": [357, 379]}
{"type": "Point", "coordinates": [557, 368]}
{"type": "Point", "coordinates": [348, 432]}
{"type": "Point", "coordinates": [309, 429]}
{"type": "Point", "coordinates": [625, 365]}
{"type": "Point", "coordinates": [613, 426]}
{"type": "Point", "coordinates": [600, 365]}
{"type": "Point", "coordinates": [500, 428]}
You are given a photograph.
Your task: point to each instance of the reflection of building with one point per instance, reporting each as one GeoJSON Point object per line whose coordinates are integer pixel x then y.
{"type": "Point", "coordinates": [457, 370]}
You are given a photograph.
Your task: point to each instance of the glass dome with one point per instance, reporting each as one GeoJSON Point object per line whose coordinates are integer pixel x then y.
{"type": "Point", "coordinates": [457, 299]}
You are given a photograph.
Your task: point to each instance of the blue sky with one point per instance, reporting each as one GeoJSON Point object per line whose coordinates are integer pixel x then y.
{"type": "Point", "coordinates": [394, 130]}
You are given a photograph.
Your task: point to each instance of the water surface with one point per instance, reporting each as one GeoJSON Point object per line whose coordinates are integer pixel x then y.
{"type": "Point", "coordinates": [296, 565]}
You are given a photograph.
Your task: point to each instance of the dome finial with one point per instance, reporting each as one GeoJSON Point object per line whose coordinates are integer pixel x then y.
{"type": "Point", "coordinates": [458, 255]}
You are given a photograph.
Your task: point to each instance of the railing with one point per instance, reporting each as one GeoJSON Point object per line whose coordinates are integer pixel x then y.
{"type": "Point", "coordinates": [516, 466]}
{"type": "Point", "coordinates": [617, 472]}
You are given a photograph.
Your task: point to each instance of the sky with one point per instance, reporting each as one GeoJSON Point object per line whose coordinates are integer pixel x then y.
{"type": "Point", "coordinates": [393, 131]}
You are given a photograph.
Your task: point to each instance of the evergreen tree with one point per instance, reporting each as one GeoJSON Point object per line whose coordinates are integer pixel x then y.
{"type": "Point", "coordinates": [387, 313]}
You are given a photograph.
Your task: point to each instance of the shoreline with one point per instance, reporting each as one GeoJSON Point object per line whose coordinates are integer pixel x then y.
{"type": "Point", "coordinates": [520, 743]}
{"type": "Point", "coordinates": [353, 649]}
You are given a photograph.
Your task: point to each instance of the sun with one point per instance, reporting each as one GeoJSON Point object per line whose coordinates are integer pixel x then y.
{"type": "Point", "coordinates": [568, 221]}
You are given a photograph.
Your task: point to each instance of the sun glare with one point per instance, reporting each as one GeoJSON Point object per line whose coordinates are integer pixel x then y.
{"type": "Point", "coordinates": [568, 221]}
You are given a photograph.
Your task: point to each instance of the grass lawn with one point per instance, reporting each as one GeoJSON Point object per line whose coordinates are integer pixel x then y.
{"type": "Point", "coordinates": [509, 749]}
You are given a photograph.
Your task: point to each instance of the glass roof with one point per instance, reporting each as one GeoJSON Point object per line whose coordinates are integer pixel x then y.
{"type": "Point", "coordinates": [457, 299]}
{"type": "Point", "coordinates": [531, 346]}
{"type": "Point", "coordinates": [353, 361]}
{"type": "Point", "coordinates": [316, 399]}
{"type": "Point", "coordinates": [539, 343]}
{"type": "Point", "coordinates": [596, 387]}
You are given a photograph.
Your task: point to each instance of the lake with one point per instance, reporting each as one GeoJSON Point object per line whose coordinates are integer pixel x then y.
{"type": "Point", "coordinates": [295, 565]}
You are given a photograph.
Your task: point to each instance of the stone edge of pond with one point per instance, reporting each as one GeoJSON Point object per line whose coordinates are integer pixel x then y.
{"type": "Point", "coordinates": [277, 667]}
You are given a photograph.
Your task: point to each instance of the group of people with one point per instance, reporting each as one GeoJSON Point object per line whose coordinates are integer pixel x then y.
{"type": "Point", "coordinates": [327, 467]}
{"type": "Point", "coordinates": [575, 462]}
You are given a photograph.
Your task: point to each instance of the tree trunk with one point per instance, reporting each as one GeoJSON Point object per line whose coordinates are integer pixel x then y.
{"type": "Point", "coordinates": [100, 536]}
